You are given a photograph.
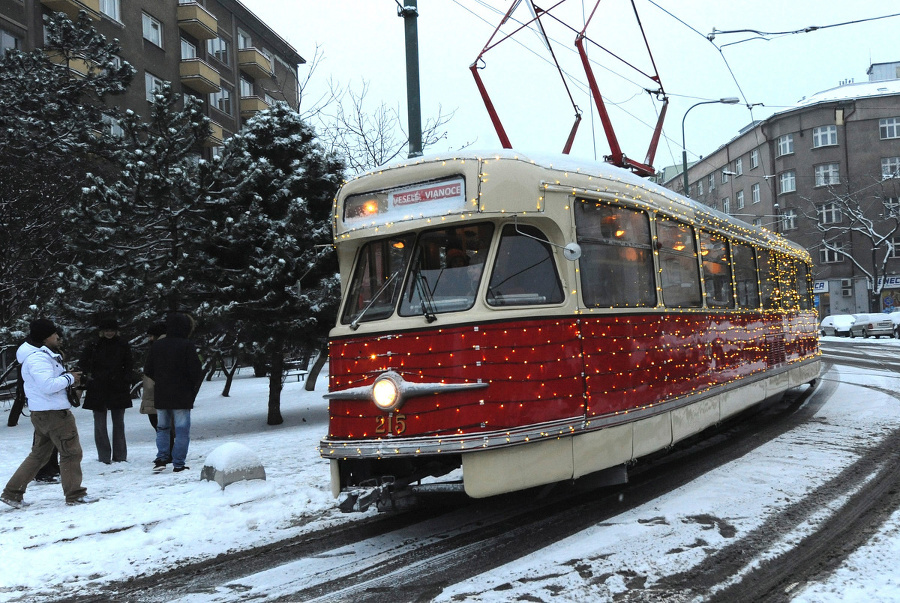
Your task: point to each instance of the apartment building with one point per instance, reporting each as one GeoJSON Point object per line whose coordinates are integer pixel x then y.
{"type": "Point", "coordinates": [216, 50]}
{"type": "Point", "coordinates": [784, 173]}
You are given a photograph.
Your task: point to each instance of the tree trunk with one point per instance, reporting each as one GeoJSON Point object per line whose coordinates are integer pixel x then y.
{"type": "Point", "coordinates": [316, 368]}
{"type": "Point", "coordinates": [229, 377]}
{"type": "Point", "coordinates": [275, 374]}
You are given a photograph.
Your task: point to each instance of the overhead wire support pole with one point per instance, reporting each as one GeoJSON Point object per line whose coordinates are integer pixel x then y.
{"type": "Point", "coordinates": [410, 13]}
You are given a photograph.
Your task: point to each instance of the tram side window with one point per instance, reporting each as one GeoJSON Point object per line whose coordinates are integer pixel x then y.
{"type": "Point", "coordinates": [375, 286]}
{"type": "Point", "coordinates": [768, 280]}
{"type": "Point", "coordinates": [524, 271]}
{"type": "Point", "coordinates": [745, 277]}
{"type": "Point", "coordinates": [616, 265]}
{"type": "Point", "coordinates": [679, 270]}
{"type": "Point", "coordinates": [716, 271]}
{"type": "Point", "coordinates": [803, 288]}
{"type": "Point", "coordinates": [446, 269]}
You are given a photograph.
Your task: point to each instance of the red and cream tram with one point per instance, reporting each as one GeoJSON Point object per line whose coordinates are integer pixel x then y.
{"type": "Point", "coordinates": [532, 320]}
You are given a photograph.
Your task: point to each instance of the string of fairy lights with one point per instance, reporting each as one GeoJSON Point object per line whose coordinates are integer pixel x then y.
{"type": "Point", "coordinates": [597, 363]}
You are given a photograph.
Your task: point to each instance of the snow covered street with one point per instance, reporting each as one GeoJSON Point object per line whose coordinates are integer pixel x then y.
{"type": "Point", "coordinates": [146, 523]}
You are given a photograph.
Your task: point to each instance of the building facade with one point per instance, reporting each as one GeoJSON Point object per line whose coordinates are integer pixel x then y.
{"type": "Point", "coordinates": [216, 50]}
{"type": "Point", "coordinates": [802, 168]}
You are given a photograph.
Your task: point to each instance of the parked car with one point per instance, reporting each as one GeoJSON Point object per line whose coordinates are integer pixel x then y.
{"type": "Point", "coordinates": [895, 318]}
{"type": "Point", "coordinates": [872, 325]}
{"type": "Point", "coordinates": [836, 325]}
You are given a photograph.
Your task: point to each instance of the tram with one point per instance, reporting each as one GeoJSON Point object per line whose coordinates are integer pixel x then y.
{"type": "Point", "coordinates": [509, 321]}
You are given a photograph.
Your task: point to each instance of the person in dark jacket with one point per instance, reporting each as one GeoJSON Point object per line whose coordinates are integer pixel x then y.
{"type": "Point", "coordinates": [174, 366]}
{"type": "Point", "coordinates": [109, 365]}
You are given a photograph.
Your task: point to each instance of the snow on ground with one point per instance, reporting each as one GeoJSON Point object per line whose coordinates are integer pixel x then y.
{"type": "Point", "coordinates": [146, 522]}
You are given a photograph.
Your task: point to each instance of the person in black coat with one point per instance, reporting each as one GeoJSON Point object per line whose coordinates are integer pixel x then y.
{"type": "Point", "coordinates": [109, 365]}
{"type": "Point", "coordinates": [174, 365]}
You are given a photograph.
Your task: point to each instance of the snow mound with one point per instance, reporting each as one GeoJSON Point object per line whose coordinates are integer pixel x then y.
{"type": "Point", "coordinates": [232, 462]}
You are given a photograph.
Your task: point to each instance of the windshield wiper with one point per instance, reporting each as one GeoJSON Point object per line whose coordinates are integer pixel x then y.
{"type": "Point", "coordinates": [355, 323]}
{"type": "Point", "coordinates": [427, 300]}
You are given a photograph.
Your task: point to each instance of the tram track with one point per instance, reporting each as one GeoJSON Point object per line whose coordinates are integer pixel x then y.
{"type": "Point", "coordinates": [421, 552]}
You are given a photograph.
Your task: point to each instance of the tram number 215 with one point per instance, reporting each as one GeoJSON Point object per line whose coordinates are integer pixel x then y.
{"type": "Point", "coordinates": [395, 424]}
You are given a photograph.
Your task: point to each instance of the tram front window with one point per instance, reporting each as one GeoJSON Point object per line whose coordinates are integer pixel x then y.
{"type": "Point", "coordinates": [524, 272]}
{"type": "Point", "coordinates": [375, 286]}
{"type": "Point", "coordinates": [446, 270]}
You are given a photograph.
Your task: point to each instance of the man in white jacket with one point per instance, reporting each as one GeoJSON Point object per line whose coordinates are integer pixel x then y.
{"type": "Point", "coordinates": [46, 380]}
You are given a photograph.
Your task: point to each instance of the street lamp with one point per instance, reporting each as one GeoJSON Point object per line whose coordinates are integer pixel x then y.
{"type": "Point", "coordinates": [724, 101]}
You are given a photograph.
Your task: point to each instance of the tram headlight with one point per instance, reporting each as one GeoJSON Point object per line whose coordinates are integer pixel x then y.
{"type": "Point", "coordinates": [386, 393]}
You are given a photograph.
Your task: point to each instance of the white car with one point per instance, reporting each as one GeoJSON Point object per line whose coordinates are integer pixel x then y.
{"type": "Point", "coordinates": [836, 325]}
{"type": "Point", "coordinates": [872, 325]}
{"type": "Point", "coordinates": [895, 318]}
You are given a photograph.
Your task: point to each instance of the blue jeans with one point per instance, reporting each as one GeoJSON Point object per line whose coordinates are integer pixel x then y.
{"type": "Point", "coordinates": [165, 450]}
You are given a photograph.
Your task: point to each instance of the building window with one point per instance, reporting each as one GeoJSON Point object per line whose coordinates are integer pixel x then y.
{"type": "Point", "coordinates": [712, 182]}
{"type": "Point", "coordinates": [828, 173]}
{"type": "Point", "coordinates": [754, 194]}
{"type": "Point", "coordinates": [244, 40]}
{"type": "Point", "coordinates": [789, 219]}
{"type": "Point", "coordinates": [112, 127]}
{"type": "Point", "coordinates": [188, 50]}
{"type": "Point", "coordinates": [894, 248]}
{"type": "Point", "coordinates": [829, 213]}
{"type": "Point", "coordinates": [739, 199]}
{"type": "Point", "coordinates": [221, 100]}
{"type": "Point", "coordinates": [726, 205]}
{"type": "Point", "coordinates": [890, 167]}
{"type": "Point", "coordinates": [889, 127]}
{"type": "Point", "coordinates": [785, 145]}
{"type": "Point", "coordinates": [219, 49]}
{"type": "Point", "coordinates": [110, 8]}
{"type": "Point", "coordinates": [832, 254]}
{"type": "Point", "coordinates": [152, 30]}
{"type": "Point", "coordinates": [824, 136]}
{"type": "Point", "coordinates": [246, 87]}
{"type": "Point", "coordinates": [787, 182]}
{"type": "Point", "coordinates": [738, 166]}
{"type": "Point", "coordinates": [754, 158]}
{"type": "Point", "coordinates": [151, 85]}
{"type": "Point", "coordinates": [8, 41]}
{"type": "Point", "coordinates": [724, 176]}
{"type": "Point", "coordinates": [891, 207]}
{"type": "Point", "coordinates": [699, 188]}
{"type": "Point", "coordinates": [757, 221]}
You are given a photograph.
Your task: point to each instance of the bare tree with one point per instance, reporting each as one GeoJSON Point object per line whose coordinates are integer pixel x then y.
{"type": "Point", "coordinates": [861, 227]}
{"type": "Point", "coordinates": [364, 132]}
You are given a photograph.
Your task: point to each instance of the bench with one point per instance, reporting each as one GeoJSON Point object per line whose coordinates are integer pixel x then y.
{"type": "Point", "coordinates": [294, 369]}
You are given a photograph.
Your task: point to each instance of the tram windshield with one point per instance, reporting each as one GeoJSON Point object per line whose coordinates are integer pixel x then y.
{"type": "Point", "coordinates": [375, 286]}
{"type": "Point", "coordinates": [446, 269]}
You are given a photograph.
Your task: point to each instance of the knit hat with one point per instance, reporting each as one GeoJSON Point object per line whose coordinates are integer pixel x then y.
{"type": "Point", "coordinates": [109, 324]}
{"type": "Point", "coordinates": [41, 329]}
{"type": "Point", "coordinates": [157, 329]}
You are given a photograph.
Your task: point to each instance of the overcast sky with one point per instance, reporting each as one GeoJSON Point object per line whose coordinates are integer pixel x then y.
{"type": "Point", "coordinates": [364, 40]}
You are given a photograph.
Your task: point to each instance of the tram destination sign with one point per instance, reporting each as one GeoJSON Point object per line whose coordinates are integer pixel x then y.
{"type": "Point", "coordinates": [422, 200]}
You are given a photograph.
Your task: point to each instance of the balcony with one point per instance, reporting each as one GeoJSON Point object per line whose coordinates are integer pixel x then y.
{"type": "Point", "coordinates": [216, 136]}
{"type": "Point", "coordinates": [71, 7]}
{"type": "Point", "coordinates": [197, 21]}
{"type": "Point", "coordinates": [199, 75]}
{"type": "Point", "coordinates": [254, 63]}
{"type": "Point", "coordinates": [78, 66]}
{"type": "Point", "coordinates": [250, 105]}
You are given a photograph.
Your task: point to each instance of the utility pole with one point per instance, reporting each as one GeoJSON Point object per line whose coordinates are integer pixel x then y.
{"type": "Point", "coordinates": [410, 13]}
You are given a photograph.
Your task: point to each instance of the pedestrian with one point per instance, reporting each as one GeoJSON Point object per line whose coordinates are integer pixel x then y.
{"type": "Point", "coordinates": [174, 366]}
{"type": "Point", "coordinates": [49, 473]}
{"type": "Point", "coordinates": [107, 364]}
{"type": "Point", "coordinates": [156, 331]}
{"type": "Point", "coordinates": [46, 381]}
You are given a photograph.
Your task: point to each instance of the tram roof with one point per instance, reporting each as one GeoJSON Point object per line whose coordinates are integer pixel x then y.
{"type": "Point", "coordinates": [594, 169]}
